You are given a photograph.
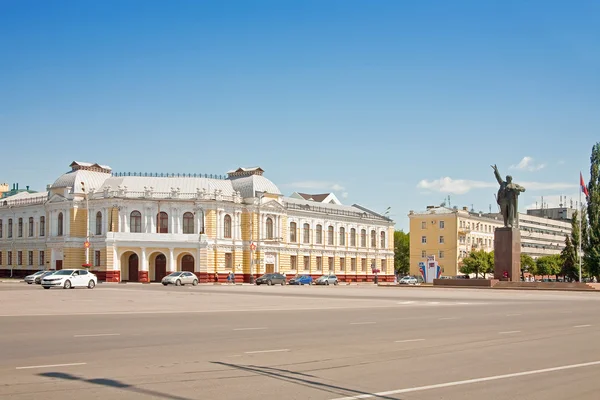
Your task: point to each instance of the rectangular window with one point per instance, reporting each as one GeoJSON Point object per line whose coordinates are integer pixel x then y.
{"type": "Point", "coordinates": [423, 239]}
{"type": "Point", "coordinates": [19, 257]}
{"type": "Point", "coordinates": [441, 240]}
{"type": "Point", "coordinates": [97, 258]}
{"type": "Point", "coordinates": [20, 227]}
{"type": "Point", "coordinates": [228, 261]}
{"type": "Point", "coordinates": [9, 258]}
{"type": "Point", "coordinates": [30, 226]}
{"type": "Point", "coordinates": [331, 265]}
{"type": "Point", "coordinates": [423, 224]}
{"type": "Point", "coordinates": [306, 233]}
{"type": "Point", "coordinates": [293, 238]}
{"type": "Point", "coordinates": [306, 263]}
{"type": "Point", "coordinates": [294, 263]}
{"type": "Point", "coordinates": [30, 258]}
{"type": "Point", "coordinates": [41, 258]}
{"type": "Point", "coordinates": [363, 264]}
{"type": "Point", "coordinates": [319, 264]}
{"type": "Point", "coordinates": [353, 264]}
{"type": "Point", "coordinates": [423, 254]}
{"type": "Point", "coordinates": [441, 254]}
{"type": "Point", "coordinates": [342, 264]}
{"type": "Point", "coordinates": [42, 226]}
{"type": "Point", "coordinates": [442, 224]}
{"type": "Point", "coordinates": [10, 228]}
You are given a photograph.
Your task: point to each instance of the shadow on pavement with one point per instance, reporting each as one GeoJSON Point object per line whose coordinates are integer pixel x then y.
{"type": "Point", "coordinates": [293, 377]}
{"type": "Point", "coordinates": [112, 384]}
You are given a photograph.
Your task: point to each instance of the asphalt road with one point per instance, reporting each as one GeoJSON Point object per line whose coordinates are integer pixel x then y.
{"type": "Point", "coordinates": [244, 342]}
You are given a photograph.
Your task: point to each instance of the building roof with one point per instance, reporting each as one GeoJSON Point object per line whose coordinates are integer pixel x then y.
{"type": "Point", "coordinates": [74, 179]}
{"type": "Point", "coordinates": [314, 197]}
{"type": "Point", "coordinates": [167, 184]}
{"type": "Point", "coordinates": [248, 186]}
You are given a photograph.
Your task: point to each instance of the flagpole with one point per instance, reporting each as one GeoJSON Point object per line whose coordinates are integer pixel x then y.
{"type": "Point", "coordinates": [580, 218]}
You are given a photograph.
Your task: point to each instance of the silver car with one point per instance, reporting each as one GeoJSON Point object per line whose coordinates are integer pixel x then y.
{"type": "Point", "coordinates": [180, 278]}
{"type": "Point", "coordinates": [31, 278]}
{"type": "Point", "coordinates": [327, 280]}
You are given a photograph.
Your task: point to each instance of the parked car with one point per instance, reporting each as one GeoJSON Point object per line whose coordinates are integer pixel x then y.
{"type": "Point", "coordinates": [70, 278]}
{"type": "Point", "coordinates": [31, 278]}
{"type": "Point", "coordinates": [39, 278]}
{"type": "Point", "coordinates": [271, 279]}
{"type": "Point", "coordinates": [180, 278]}
{"type": "Point", "coordinates": [327, 280]}
{"type": "Point", "coordinates": [408, 280]}
{"type": "Point", "coordinates": [301, 280]}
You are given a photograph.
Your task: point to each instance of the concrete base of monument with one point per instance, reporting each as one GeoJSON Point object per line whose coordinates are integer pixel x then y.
{"type": "Point", "coordinates": [507, 254]}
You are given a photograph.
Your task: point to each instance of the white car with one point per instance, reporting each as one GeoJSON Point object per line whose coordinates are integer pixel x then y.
{"type": "Point", "coordinates": [70, 278]}
{"type": "Point", "coordinates": [408, 280]}
{"type": "Point", "coordinates": [31, 278]}
{"type": "Point", "coordinates": [180, 278]}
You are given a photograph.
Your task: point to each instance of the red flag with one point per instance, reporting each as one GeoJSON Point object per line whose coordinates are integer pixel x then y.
{"type": "Point", "coordinates": [583, 187]}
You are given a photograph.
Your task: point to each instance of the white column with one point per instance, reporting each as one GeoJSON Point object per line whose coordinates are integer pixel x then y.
{"type": "Point", "coordinates": [217, 225]}
{"type": "Point", "coordinates": [144, 266]}
{"type": "Point", "coordinates": [171, 267]}
{"type": "Point", "coordinates": [197, 261]}
{"type": "Point", "coordinates": [125, 220]}
{"type": "Point", "coordinates": [116, 261]}
{"type": "Point", "coordinates": [52, 259]}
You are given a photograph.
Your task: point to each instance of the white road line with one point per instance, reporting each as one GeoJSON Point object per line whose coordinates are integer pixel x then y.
{"type": "Point", "coordinates": [98, 335]}
{"type": "Point", "coordinates": [447, 318]}
{"type": "Point", "coordinates": [249, 329]}
{"type": "Point", "coordinates": [409, 340]}
{"type": "Point", "coordinates": [406, 302]}
{"type": "Point", "coordinates": [267, 351]}
{"type": "Point", "coordinates": [362, 323]}
{"type": "Point", "coordinates": [51, 366]}
{"type": "Point", "coordinates": [508, 332]}
{"type": "Point", "coordinates": [463, 304]}
{"type": "Point", "coordinates": [581, 326]}
{"type": "Point", "coordinates": [471, 381]}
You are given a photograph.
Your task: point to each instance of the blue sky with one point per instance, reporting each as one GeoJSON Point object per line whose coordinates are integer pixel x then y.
{"type": "Point", "coordinates": [387, 103]}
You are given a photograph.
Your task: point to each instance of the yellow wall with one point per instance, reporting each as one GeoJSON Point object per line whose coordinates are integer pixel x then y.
{"type": "Point", "coordinates": [114, 220]}
{"type": "Point", "coordinates": [73, 257]}
{"type": "Point", "coordinates": [210, 223]}
{"type": "Point", "coordinates": [432, 232]}
{"type": "Point", "coordinates": [78, 222]}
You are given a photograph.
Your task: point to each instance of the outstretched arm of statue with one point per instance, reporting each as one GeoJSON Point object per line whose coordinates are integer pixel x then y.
{"type": "Point", "coordinates": [497, 174]}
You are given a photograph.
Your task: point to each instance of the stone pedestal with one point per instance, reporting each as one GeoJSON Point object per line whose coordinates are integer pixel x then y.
{"type": "Point", "coordinates": [507, 254]}
{"type": "Point", "coordinates": [143, 276]}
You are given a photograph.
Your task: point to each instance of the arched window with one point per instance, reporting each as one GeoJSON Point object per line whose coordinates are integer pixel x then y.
{"type": "Point", "coordinates": [306, 233]}
{"type": "Point", "coordinates": [99, 223]}
{"type": "Point", "coordinates": [353, 237]}
{"type": "Point", "coordinates": [188, 223]}
{"type": "Point", "coordinates": [382, 240]}
{"type": "Point", "coordinates": [269, 228]}
{"type": "Point", "coordinates": [363, 238]}
{"type": "Point", "coordinates": [20, 227]}
{"type": "Point", "coordinates": [373, 239]}
{"type": "Point", "coordinates": [162, 222]}
{"type": "Point", "coordinates": [42, 226]}
{"type": "Point", "coordinates": [30, 227]}
{"type": "Point", "coordinates": [342, 241]}
{"type": "Point", "coordinates": [227, 226]}
{"type": "Point", "coordinates": [59, 225]}
{"type": "Point", "coordinates": [319, 234]}
{"type": "Point", "coordinates": [293, 228]}
{"type": "Point", "coordinates": [135, 222]}
{"type": "Point", "coordinates": [330, 235]}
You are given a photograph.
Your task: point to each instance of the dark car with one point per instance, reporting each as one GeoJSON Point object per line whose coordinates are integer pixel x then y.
{"type": "Point", "coordinates": [271, 279]}
{"type": "Point", "coordinates": [301, 280]}
{"type": "Point", "coordinates": [38, 279]}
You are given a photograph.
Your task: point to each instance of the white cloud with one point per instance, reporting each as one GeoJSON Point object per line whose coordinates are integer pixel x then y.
{"type": "Point", "coordinates": [316, 185]}
{"type": "Point", "coordinates": [345, 195]}
{"type": "Point", "coordinates": [527, 164]}
{"type": "Point", "coordinates": [462, 186]}
{"type": "Point", "coordinates": [454, 186]}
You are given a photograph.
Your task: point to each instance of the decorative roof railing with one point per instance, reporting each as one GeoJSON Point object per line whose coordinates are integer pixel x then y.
{"type": "Point", "coordinates": [23, 202]}
{"type": "Point", "coordinates": [123, 193]}
{"type": "Point", "coordinates": [333, 211]}
{"type": "Point", "coordinates": [168, 175]}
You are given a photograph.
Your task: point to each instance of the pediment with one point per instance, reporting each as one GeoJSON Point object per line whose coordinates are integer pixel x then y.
{"type": "Point", "coordinates": [57, 198]}
{"type": "Point", "coordinates": [272, 205]}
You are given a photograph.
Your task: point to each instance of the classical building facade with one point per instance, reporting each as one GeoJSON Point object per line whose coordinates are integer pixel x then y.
{"type": "Point", "coordinates": [140, 227]}
{"type": "Point", "coordinates": [450, 234]}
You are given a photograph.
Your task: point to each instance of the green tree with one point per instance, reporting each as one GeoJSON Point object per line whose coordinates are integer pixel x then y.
{"type": "Point", "coordinates": [592, 247]}
{"type": "Point", "coordinates": [548, 265]}
{"type": "Point", "coordinates": [527, 265]}
{"type": "Point", "coordinates": [478, 262]}
{"type": "Point", "coordinates": [569, 261]}
{"type": "Point", "coordinates": [401, 252]}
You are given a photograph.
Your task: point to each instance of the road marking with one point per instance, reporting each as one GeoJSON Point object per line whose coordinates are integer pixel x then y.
{"type": "Point", "coordinates": [51, 366]}
{"type": "Point", "coordinates": [98, 335]}
{"type": "Point", "coordinates": [471, 381]}
{"type": "Point", "coordinates": [447, 318]}
{"type": "Point", "coordinates": [581, 326]}
{"type": "Point", "coordinates": [267, 351]}
{"type": "Point", "coordinates": [409, 340]}
{"type": "Point", "coordinates": [249, 329]}
{"type": "Point", "coordinates": [406, 302]}
{"type": "Point", "coordinates": [508, 332]}
{"type": "Point", "coordinates": [463, 304]}
{"type": "Point", "coordinates": [362, 323]}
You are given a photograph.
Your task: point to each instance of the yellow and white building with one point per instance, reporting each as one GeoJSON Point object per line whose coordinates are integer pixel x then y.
{"type": "Point", "coordinates": [140, 227]}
